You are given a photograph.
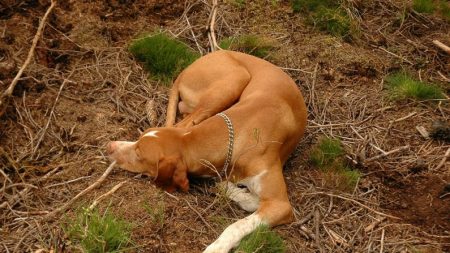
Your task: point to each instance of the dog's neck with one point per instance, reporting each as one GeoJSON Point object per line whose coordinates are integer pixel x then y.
{"type": "Point", "coordinates": [211, 134]}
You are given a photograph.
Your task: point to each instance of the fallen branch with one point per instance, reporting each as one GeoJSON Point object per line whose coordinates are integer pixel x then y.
{"type": "Point", "coordinates": [442, 46]}
{"type": "Point", "coordinates": [201, 217]}
{"type": "Point", "coordinates": [114, 189]}
{"type": "Point", "coordinates": [444, 159]}
{"type": "Point", "coordinates": [387, 153]}
{"type": "Point", "coordinates": [92, 186]}
{"type": "Point", "coordinates": [211, 25]}
{"type": "Point", "coordinates": [8, 92]}
{"type": "Point", "coordinates": [317, 222]}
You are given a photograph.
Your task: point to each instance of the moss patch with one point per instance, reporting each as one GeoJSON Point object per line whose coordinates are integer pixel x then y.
{"type": "Point", "coordinates": [401, 85]}
{"type": "Point", "coordinates": [163, 55]}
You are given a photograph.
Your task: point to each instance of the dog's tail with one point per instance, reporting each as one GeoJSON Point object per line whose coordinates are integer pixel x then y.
{"type": "Point", "coordinates": [172, 106]}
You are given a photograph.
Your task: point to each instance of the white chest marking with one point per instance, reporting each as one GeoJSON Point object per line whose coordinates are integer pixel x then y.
{"type": "Point", "coordinates": [152, 134]}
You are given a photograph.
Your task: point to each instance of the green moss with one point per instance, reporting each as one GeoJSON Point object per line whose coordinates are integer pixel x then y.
{"type": "Point", "coordinates": [444, 7]}
{"type": "Point", "coordinates": [163, 55]}
{"type": "Point", "coordinates": [312, 5]}
{"type": "Point", "coordinates": [250, 44]}
{"type": "Point", "coordinates": [97, 232]}
{"type": "Point", "coordinates": [329, 16]}
{"type": "Point", "coordinates": [262, 240]}
{"type": "Point", "coordinates": [423, 6]}
{"type": "Point", "coordinates": [402, 86]}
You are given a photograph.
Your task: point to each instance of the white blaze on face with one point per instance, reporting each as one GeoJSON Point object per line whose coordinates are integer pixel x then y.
{"type": "Point", "coordinates": [152, 134]}
{"type": "Point", "coordinates": [233, 234]}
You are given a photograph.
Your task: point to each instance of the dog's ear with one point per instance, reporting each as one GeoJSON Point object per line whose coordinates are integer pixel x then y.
{"type": "Point", "coordinates": [172, 174]}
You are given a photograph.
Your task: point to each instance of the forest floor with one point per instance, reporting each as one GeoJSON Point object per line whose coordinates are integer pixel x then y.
{"type": "Point", "coordinates": [83, 89]}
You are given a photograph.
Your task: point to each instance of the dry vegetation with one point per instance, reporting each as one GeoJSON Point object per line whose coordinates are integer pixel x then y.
{"type": "Point", "coordinates": [83, 88]}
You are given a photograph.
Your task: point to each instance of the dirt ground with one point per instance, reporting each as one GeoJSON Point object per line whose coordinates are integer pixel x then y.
{"type": "Point", "coordinates": [83, 89]}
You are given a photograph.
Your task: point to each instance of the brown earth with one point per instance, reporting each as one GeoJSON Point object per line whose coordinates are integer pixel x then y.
{"type": "Point", "coordinates": [105, 95]}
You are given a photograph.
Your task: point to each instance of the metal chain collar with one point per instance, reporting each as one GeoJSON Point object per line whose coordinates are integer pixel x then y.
{"type": "Point", "coordinates": [230, 141]}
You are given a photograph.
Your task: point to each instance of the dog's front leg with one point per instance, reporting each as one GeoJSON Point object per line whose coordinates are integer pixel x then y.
{"type": "Point", "coordinates": [274, 209]}
{"type": "Point", "coordinates": [233, 234]}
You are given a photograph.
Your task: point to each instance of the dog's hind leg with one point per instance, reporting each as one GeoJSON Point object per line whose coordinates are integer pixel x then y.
{"type": "Point", "coordinates": [221, 95]}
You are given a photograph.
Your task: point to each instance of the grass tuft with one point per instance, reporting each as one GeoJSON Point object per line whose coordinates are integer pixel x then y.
{"type": "Point", "coordinates": [423, 6]}
{"type": "Point", "coordinates": [163, 55]}
{"type": "Point", "coordinates": [327, 155]}
{"type": "Point", "coordinates": [100, 233]}
{"type": "Point", "coordinates": [261, 240]}
{"type": "Point", "coordinates": [156, 212]}
{"type": "Point", "coordinates": [329, 16]}
{"type": "Point", "coordinates": [250, 44]}
{"type": "Point", "coordinates": [402, 86]}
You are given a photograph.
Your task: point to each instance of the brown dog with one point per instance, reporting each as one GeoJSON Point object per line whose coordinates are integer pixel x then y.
{"type": "Point", "coordinates": [264, 117]}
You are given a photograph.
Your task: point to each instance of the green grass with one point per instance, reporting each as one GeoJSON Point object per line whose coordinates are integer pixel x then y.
{"type": "Point", "coordinates": [250, 44]}
{"type": "Point", "coordinates": [444, 7]}
{"type": "Point", "coordinates": [327, 155]}
{"type": "Point", "coordinates": [433, 7]}
{"type": "Point", "coordinates": [262, 240]}
{"type": "Point", "coordinates": [97, 233]}
{"type": "Point", "coordinates": [156, 212]}
{"type": "Point", "coordinates": [327, 15]}
{"type": "Point", "coordinates": [402, 86]}
{"type": "Point", "coordinates": [424, 6]}
{"type": "Point", "coordinates": [312, 5]}
{"type": "Point", "coordinates": [163, 55]}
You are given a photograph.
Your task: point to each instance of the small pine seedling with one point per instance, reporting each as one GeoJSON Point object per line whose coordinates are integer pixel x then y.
{"type": "Point", "coordinates": [99, 233]}
{"type": "Point", "coordinates": [327, 156]}
{"type": "Point", "coordinates": [156, 212]}
{"type": "Point", "coordinates": [262, 240]}
{"type": "Point", "coordinates": [250, 44]}
{"type": "Point", "coordinates": [402, 86]}
{"type": "Point", "coordinates": [326, 152]}
{"type": "Point", "coordinates": [162, 55]}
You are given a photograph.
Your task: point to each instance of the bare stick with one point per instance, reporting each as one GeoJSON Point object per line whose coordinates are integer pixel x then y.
{"type": "Point", "coordinates": [8, 92]}
{"type": "Point", "coordinates": [382, 241]}
{"type": "Point", "coordinates": [442, 46]}
{"type": "Point", "coordinates": [52, 113]}
{"type": "Point", "coordinates": [114, 189]}
{"type": "Point", "coordinates": [211, 31]}
{"type": "Point", "coordinates": [83, 192]}
{"type": "Point", "coordinates": [387, 153]}
{"type": "Point", "coordinates": [201, 217]}
{"type": "Point", "coordinates": [317, 222]}
{"type": "Point", "coordinates": [354, 201]}
{"type": "Point", "coordinates": [444, 159]}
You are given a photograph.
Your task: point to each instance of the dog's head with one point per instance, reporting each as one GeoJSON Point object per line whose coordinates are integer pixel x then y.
{"type": "Point", "coordinates": [156, 154]}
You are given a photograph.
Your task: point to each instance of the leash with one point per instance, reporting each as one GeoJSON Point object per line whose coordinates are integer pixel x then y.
{"type": "Point", "coordinates": [230, 140]}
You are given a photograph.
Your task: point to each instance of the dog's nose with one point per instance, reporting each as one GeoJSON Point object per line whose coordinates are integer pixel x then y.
{"type": "Point", "coordinates": [110, 147]}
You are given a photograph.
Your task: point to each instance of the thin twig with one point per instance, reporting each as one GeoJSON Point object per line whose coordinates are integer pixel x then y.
{"type": "Point", "coordinates": [114, 189]}
{"type": "Point", "coordinates": [444, 159]}
{"type": "Point", "coordinates": [387, 153]}
{"type": "Point", "coordinates": [442, 46]}
{"type": "Point", "coordinates": [201, 217]}
{"type": "Point", "coordinates": [83, 192]}
{"type": "Point", "coordinates": [8, 92]}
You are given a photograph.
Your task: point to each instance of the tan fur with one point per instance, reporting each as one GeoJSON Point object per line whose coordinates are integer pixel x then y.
{"type": "Point", "coordinates": [269, 118]}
